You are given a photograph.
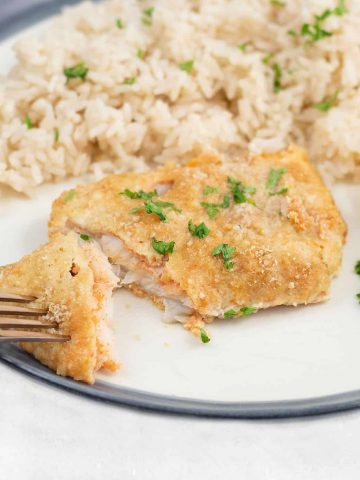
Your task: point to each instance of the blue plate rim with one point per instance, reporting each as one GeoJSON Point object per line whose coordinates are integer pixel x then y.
{"type": "Point", "coordinates": [12, 355]}
{"type": "Point", "coordinates": [16, 15]}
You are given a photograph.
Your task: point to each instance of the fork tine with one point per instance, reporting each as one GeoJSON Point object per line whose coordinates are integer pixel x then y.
{"type": "Point", "coordinates": [21, 311]}
{"type": "Point", "coordinates": [22, 336]}
{"type": "Point", "coordinates": [25, 323]}
{"type": "Point", "coordinates": [12, 297]}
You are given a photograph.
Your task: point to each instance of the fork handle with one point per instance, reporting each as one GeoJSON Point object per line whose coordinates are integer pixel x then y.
{"type": "Point", "coordinates": [21, 336]}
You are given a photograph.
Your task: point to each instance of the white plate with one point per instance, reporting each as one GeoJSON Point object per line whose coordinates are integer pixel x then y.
{"type": "Point", "coordinates": [276, 355]}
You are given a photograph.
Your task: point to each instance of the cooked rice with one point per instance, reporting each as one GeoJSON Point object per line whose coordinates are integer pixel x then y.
{"type": "Point", "coordinates": [226, 103]}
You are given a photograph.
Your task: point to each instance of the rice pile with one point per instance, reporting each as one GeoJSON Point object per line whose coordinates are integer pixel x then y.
{"type": "Point", "coordinates": [169, 78]}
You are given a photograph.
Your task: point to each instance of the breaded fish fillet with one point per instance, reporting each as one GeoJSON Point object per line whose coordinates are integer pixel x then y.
{"type": "Point", "coordinates": [214, 239]}
{"type": "Point", "coordinates": [74, 280]}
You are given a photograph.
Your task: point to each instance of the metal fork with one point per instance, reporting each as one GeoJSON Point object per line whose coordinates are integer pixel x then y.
{"type": "Point", "coordinates": [15, 313]}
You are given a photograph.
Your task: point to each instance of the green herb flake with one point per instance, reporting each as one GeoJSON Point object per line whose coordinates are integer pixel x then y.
{"type": "Point", "coordinates": [239, 191]}
{"type": "Point", "coordinates": [76, 71]}
{"type": "Point", "coordinates": [140, 53]}
{"type": "Point", "coordinates": [340, 9]}
{"type": "Point", "coordinates": [170, 205]}
{"type": "Point", "coordinates": [315, 31]}
{"type": "Point", "coordinates": [151, 207]}
{"type": "Point", "coordinates": [147, 16]}
{"type": "Point", "coordinates": [119, 23]}
{"type": "Point", "coordinates": [243, 46]}
{"type": "Point", "coordinates": [140, 194]}
{"type": "Point", "coordinates": [208, 189]}
{"type": "Point", "coordinates": [204, 336]}
{"type": "Point", "coordinates": [187, 66]}
{"type": "Point", "coordinates": [274, 177]}
{"type": "Point", "coordinates": [277, 78]}
{"type": "Point", "coordinates": [28, 122]}
{"type": "Point", "coordinates": [85, 237]}
{"type": "Point", "coordinates": [357, 267]}
{"type": "Point", "coordinates": [280, 192]}
{"type": "Point", "coordinates": [200, 231]}
{"type": "Point", "coordinates": [244, 312]}
{"type": "Point", "coordinates": [129, 81]}
{"type": "Point", "coordinates": [292, 32]}
{"type": "Point", "coordinates": [148, 12]}
{"type": "Point", "coordinates": [70, 195]}
{"type": "Point", "coordinates": [163, 248]}
{"type": "Point", "coordinates": [277, 3]}
{"type": "Point", "coordinates": [56, 134]}
{"type": "Point", "coordinates": [358, 296]}
{"type": "Point", "coordinates": [213, 209]}
{"type": "Point", "coordinates": [226, 251]}
{"type": "Point", "coordinates": [327, 104]}
{"type": "Point", "coordinates": [267, 58]}
{"type": "Point", "coordinates": [157, 209]}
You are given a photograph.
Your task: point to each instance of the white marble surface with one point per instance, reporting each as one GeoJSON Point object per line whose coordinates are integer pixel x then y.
{"type": "Point", "coordinates": [47, 434]}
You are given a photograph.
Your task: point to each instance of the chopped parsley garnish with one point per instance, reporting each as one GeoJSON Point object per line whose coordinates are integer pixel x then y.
{"type": "Point", "coordinates": [277, 77]}
{"type": "Point", "coordinates": [147, 16]}
{"type": "Point", "coordinates": [239, 191]}
{"type": "Point", "coordinates": [244, 312]}
{"type": "Point", "coordinates": [85, 237]}
{"type": "Point", "coordinates": [200, 231]}
{"type": "Point", "coordinates": [358, 296]}
{"type": "Point", "coordinates": [56, 134]}
{"type": "Point", "coordinates": [226, 252]}
{"type": "Point", "coordinates": [273, 180]}
{"type": "Point", "coordinates": [170, 205]}
{"type": "Point", "coordinates": [151, 207]}
{"type": "Point", "coordinates": [119, 23]}
{"type": "Point", "coordinates": [213, 209]}
{"type": "Point", "coordinates": [187, 66]}
{"type": "Point", "coordinates": [208, 189]}
{"type": "Point", "coordinates": [155, 207]}
{"type": "Point", "coordinates": [129, 81]}
{"type": "Point", "coordinates": [70, 195]}
{"type": "Point", "coordinates": [327, 104]}
{"type": "Point", "coordinates": [357, 267]}
{"type": "Point", "coordinates": [267, 58]}
{"type": "Point", "coordinates": [140, 194]}
{"type": "Point", "coordinates": [340, 9]}
{"type": "Point", "coordinates": [315, 31]}
{"type": "Point", "coordinates": [148, 12]}
{"type": "Point", "coordinates": [292, 32]}
{"type": "Point", "coordinates": [76, 71]}
{"type": "Point", "coordinates": [274, 177]}
{"type": "Point", "coordinates": [243, 46]}
{"type": "Point", "coordinates": [28, 122]}
{"type": "Point", "coordinates": [163, 248]}
{"type": "Point", "coordinates": [278, 3]}
{"type": "Point", "coordinates": [204, 336]}
{"type": "Point", "coordinates": [140, 53]}
{"type": "Point", "coordinates": [280, 192]}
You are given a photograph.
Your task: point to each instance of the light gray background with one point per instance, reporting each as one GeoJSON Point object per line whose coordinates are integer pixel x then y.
{"type": "Point", "coordinates": [49, 434]}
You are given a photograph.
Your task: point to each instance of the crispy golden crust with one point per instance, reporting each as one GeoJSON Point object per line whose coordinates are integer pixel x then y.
{"type": "Point", "coordinates": [75, 283]}
{"type": "Point", "coordinates": [288, 247]}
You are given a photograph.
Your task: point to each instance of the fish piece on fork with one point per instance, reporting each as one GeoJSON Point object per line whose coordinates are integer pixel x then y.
{"type": "Point", "coordinates": [55, 302]}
